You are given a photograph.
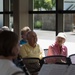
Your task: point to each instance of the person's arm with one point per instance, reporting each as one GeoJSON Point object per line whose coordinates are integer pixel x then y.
{"type": "Point", "coordinates": [23, 52]}
{"type": "Point", "coordinates": [64, 51]}
{"type": "Point", "coordinates": [50, 52]}
{"type": "Point", "coordinates": [42, 53]}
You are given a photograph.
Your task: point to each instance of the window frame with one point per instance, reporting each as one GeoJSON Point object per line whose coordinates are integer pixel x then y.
{"type": "Point", "coordinates": [59, 10]}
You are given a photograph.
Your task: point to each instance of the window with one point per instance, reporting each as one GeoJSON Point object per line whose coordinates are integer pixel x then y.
{"type": "Point", "coordinates": [5, 11]}
{"type": "Point", "coordinates": [69, 4]}
{"type": "Point", "coordinates": [60, 18]}
{"type": "Point", "coordinates": [69, 19]}
{"type": "Point", "coordinates": [1, 15]}
{"type": "Point", "coordinates": [44, 16]}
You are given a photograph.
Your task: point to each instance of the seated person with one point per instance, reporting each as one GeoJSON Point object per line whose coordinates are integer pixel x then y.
{"type": "Point", "coordinates": [9, 49]}
{"type": "Point", "coordinates": [58, 48]}
{"type": "Point", "coordinates": [23, 35]}
{"type": "Point", "coordinates": [31, 49]}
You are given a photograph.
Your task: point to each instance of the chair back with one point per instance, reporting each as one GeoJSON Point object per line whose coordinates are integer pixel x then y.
{"type": "Point", "coordinates": [55, 59]}
{"type": "Point", "coordinates": [19, 63]}
{"type": "Point", "coordinates": [72, 58]}
{"type": "Point", "coordinates": [32, 64]}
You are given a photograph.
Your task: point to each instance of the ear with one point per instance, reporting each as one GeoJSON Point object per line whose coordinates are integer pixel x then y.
{"type": "Point", "coordinates": [13, 52]}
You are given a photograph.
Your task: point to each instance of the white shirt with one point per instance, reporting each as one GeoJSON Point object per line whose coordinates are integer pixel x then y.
{"type": "Point", "coordinates": [7, 67]}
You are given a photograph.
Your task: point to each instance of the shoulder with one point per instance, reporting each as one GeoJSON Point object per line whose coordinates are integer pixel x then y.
{"type": "Point", "coordinates": [22, 42]}
{"type": "Point", "coordinates": [14, 70]}
{"type": "Point", "coordinates": [24, 45]}
{"type": "Point", "coordinates": [38, 46]}
{"type": "Point", "coordinates": [65, 47]}
{"type": "Point", "coordinates": [9, 67]}
{"type": "Point", "coordinates": [18, 73]}
{"type": "Point", "coordinates": [51, 46]}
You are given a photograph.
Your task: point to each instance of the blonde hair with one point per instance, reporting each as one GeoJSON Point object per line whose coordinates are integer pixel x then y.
{"type": "Point", "coordinates": [25, 29]}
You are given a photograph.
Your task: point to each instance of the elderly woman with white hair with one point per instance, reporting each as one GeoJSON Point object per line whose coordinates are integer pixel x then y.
{"type": "Point", "coordinates": [58, 48]}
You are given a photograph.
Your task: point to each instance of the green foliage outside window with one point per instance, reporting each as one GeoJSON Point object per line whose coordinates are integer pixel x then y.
{"type": "Point", "coordinates": [45, 4]}
{"type": "Point", "coordinates": [38, 24]}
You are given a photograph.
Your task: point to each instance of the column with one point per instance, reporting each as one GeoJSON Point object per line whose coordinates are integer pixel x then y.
{"type": "Point", "coordinates": [21, 15]}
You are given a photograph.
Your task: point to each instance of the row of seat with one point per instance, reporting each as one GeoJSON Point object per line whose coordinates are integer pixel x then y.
{"type": "Point", "coordinates": [64, 67]}
{"type": "Point", "coordinates": [34, 64]}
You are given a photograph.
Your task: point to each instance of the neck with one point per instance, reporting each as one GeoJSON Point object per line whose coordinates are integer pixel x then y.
{"type": "Point", "coordinates": [59, 44]}
{"type": "Point", "coordinates": [24, 39]}
{"type": "Point", "coordinates": [33, 45]}
{"type": "Point", "coordinates": [8, 58]}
